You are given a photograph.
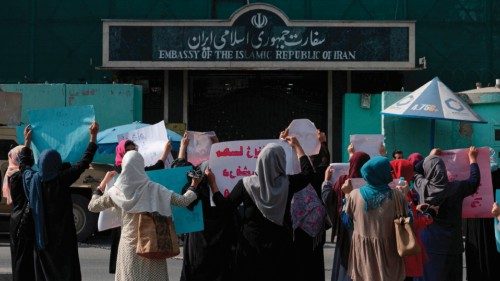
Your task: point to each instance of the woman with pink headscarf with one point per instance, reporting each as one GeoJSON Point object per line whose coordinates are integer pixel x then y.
{"type": "Point", "coordinates": [21, 238]}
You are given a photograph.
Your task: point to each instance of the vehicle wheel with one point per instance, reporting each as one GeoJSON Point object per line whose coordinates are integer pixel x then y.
{"type": "Point", "coordinates": [85, 221]}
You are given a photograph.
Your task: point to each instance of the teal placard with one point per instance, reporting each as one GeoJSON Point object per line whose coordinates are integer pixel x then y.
{"type": "Point", "coordinates": [65, 129]}
{"type": "Point", "coordinates": [497, 222]}
{"type": "Point", "coordinates": [175, 179]}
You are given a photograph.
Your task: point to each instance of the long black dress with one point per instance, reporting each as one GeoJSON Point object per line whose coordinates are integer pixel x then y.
{"type": "Point", "coordinates": [116, 232]}
{"type": "Point", "coordinates": [264, 249]}
{"type": "Point", "coordinates": [59, 259]}
{"type": "Point", "coordinates": [308, 251]}
{"type": "Point", "coordinates": [208, 254]}
{"type": "Point", "coordinates": [482, 258]}
{"type": "Point", "coordinates": [21, 238]}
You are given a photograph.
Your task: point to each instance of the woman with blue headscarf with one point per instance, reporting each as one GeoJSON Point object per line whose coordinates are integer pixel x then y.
{"type": "Point", "coordinates": [49, 196]}
{"type": "Point", "coordinates": [373, 254]}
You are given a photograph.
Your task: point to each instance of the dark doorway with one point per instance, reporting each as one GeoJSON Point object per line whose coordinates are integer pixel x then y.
{"type": "Point", "coordinates": [152, 92]}
{"type": "Point", "coordinates": [255, 105]}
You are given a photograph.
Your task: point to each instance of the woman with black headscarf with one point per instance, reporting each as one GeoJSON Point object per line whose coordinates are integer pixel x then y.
{"type": "Point", "coordinates": [48, 192]}
{"type": "Point", "coordinates": [264, 249]}
{"type": "Point", "coordinates": [443, 238]}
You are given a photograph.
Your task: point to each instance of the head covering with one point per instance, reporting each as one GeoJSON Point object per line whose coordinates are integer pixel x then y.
{"type": "Point", "coordinates": [402, 168]}
{"type": "Point", "coordinates": [357, 160]}
{"type": "Point", "coordinates": [268, 188]}
{"type": "Point", "coordinates": [49, 165]}
{"type": "Point", "coordinates": [11, 169]}
{"type": "Point", "coordinates": [133, 192]}
{"type": "Point", "coordinates": [120, 152]}
{"type": "Point", "coordinates": [414, 158]}
{"type": "Point", "coordinates": [377, 174]}
{"type": "Point", "coordinates": [436, 180]}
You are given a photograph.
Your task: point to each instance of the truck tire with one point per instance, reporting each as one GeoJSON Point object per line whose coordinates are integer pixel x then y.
{"type": "Point", "coordinates": [85, 221]}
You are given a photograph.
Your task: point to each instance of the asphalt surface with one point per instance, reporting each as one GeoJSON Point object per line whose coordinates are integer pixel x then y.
{"type": "Point", "coordinates": [94, 259]}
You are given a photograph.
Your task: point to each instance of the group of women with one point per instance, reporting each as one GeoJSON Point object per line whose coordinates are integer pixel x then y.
{"type": "Point", "coordinates": [42, 229]}
{"type": "Point", "coordinates": [270, 227]}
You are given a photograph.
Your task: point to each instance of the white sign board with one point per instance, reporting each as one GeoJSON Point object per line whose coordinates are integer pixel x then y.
{"type": "Point", "coordinates": [111, 217]}
{"type": "Point", "coordinates": [198, 149]}
{"type": "Point", "coordinates": [369, 144]}
{"type": "Point", "coordinates": [151, 141]}
{"type": "Point", "coordinates": [339, 169]}
{"type": "Point", "coordinates": [305, 131]}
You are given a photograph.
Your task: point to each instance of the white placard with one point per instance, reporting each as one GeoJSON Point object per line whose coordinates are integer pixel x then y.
{"type": "Point", "coordinates": [369, 144]}
{"type": "Point", "coordinates": [305, 131]}
{"type": "Point", "coordinates": [339, 169]}
{"type": "Point", "coordinates": [198, 149]}
{"type": "Point", "coordinates": [111, 217]}
{"type": "Point", "coordinates": [151, 141]}
{"type": "Point", "coordinates": [231, 161]}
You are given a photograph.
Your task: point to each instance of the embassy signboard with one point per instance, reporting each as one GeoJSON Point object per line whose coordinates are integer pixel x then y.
{"type": "Point", "coordinates": [258, 36]}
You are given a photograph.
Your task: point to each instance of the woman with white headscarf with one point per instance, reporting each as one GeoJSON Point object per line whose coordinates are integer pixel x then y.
{"type": "Point", "coordinates": [264, 250]}
{"type": "Point", "coordinates": [133, 193]}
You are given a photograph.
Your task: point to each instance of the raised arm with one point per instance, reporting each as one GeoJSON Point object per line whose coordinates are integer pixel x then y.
{"type": "Point", "coordinates": [232, 201]}
{"type": "Point", "coordinates": [471, 185]}
{"type": "Point", "coordinates": [188, 197]}
{"type": "Point", "coordinates": [100, 202]}
{"type": "Point", "coordinates": [184, 145]}
{"type": "Point", "coordinates": [301, 180]}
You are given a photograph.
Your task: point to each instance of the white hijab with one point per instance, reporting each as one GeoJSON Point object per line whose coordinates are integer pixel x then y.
{"type": "Point", "coordinates": [133, 192]}
{"type": "Point", "coordinates": [268, 188]}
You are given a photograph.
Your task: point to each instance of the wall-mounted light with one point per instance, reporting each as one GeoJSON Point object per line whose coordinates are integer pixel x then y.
{"type": "Point", "coordinates": [365, 100]}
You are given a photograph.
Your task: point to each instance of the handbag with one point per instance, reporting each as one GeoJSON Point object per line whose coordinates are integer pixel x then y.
{"type": "Point", "coordinates": [406, 241]}
{"type": "Point", "coordinates": [156, 237]}
{"type": "Point", "coordinates": [26, 227]}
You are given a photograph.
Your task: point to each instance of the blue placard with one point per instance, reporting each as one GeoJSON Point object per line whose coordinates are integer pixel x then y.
{"type": "Point", "coordinates": [497, 223]}
{"type": "Point", "coordinates": [65, 129]}
{"type": "Point", "coordinates": [175, 179]}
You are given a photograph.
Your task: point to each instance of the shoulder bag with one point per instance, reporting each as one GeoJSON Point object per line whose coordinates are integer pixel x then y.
{"type": "Point", "coordinates": [157, 238]}
{"type": "Point", "coordinates": [405, 237]}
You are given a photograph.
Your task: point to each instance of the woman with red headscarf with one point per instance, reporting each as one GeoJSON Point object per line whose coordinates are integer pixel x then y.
{"type": "Point", "coordinates": [414, 265]}
{"type": "Point", "coordinates": [333, 197]}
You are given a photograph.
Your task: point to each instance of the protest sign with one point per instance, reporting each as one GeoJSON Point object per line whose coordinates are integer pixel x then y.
{"type": "Point", "coordinates": [151, 141]}
{"type": "Point", "coordinates": [339, 169]}
{"type": "Point", "coordinates": [65, 129]}
{"type": "Point", "coordinates": [497, 222]}
{"type": "Point", "coordinates": [111, 217]}
{"type": "Point", "coordinates": [305, 131]}
{"type": "Point", "coordinates": [198, 149]}
{"type": "Point", "coordinates": [457, 164]}
{"type": "Point", "coordinates": [231, 161]}
{"type": "Point", "coordinates": [175, 179]}
{"type": "Point", "coordinates": [369, 144]}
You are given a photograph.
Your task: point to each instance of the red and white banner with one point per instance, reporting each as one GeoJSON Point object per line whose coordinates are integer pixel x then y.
{"type": "Point", "coordinates": [231, 161]}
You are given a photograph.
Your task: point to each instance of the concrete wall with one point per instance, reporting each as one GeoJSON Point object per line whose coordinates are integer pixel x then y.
{"type": "Point", "coordinates": [357, 120]}
{"type": "Point", "coordinates": [412, 134]}
{"type": "Point", "coordinates": [114, 104]}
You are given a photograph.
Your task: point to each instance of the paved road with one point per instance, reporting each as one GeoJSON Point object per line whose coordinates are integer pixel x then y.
{"type": "Point", "coordinates": [94, 260]}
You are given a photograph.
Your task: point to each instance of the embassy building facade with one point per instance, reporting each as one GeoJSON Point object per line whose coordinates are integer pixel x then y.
{"type": "Point", "coordinates": [245, 69]}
